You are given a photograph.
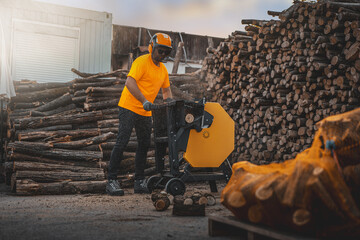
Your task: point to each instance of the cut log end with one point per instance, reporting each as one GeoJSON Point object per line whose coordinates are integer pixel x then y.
{"type": "Point", "coordinates": [301, 217]}
{"type": "Point", "coordinates": [255, 213]}
{"type": "Point", "coordinates": [317, 171]}
{"type": "Point", "coordinates": [162, 204]}
{"type": "Point", "coordinates": [236, 199]}
{"type": "Point", "coordinates": [263, 193]}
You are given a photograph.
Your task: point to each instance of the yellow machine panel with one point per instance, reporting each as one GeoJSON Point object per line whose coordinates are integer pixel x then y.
{"type": "Point", "coordinates": [211, 146]}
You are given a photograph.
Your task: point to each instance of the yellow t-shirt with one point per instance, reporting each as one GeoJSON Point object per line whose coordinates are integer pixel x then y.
{"type": "Point", "coordinates": [149, 78]}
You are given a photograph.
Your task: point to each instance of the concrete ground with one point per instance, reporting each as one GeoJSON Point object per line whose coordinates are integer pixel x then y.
{"type": "Point", "coordinates": [99, 216]}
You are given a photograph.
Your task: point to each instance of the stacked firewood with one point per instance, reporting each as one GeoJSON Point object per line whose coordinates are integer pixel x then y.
{"type": "Point", "coordinates": [61, 134]}
{"type": "Point", "coordinates": [192, 204]}
{"type": "Point", "coordinates": [279, 77]}
{"type": "Point", "coordinates": [51, 135]}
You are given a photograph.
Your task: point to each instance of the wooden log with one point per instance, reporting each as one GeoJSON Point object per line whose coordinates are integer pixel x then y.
{"type": "Point", "coordinates": [301, 217]}
{"type": "Point", "coordinates": [32, 87]}
{"type": "Point", "coordinates": [35, 146]}
{"type": "Point", "coordinates": [59, 110]}
{"type": "Point", "coordinates": [51, 128]}
{"type": "Point", "coordinates": [340, 194]}
{"type": "Point", "coordinates": [353, 6]}
{"type": "Point", "coordinates": [37, 122]}
{"type": "Point", "coordinates": [211, 201]}
{"type": "Point", "coordinates": [178, 79]}
{"type": "Point", "coordinates": [255, 213]}
{"type": "Point", "coordinates": [273, 13]}
{"type": "Point", "coordinates": [40, 95]}
{"type": "Point", "coordinates": [56, 176]}
{"type": "Point", "coordinates": [29, 187]}
{"type": "Point", "coordinates": [178, 56]}
{"type": "Point", "coordinates": [41, 166]}
{"type": "Point", "coordinates": [161, 201]}
{"type": "Point", "coordinates": [188, 210]}
{"type": "Point", "coordinates": [50, 135]}
{"type": "Point", "coordinates": [18, 157]}
{"type": "Point", "coordinates": [320, 190]}
{"type": "Point", "coordinates": [114, 91]}
{"type": "Point", "coordinates": [56, 103]}
{"type": "Point", "coordinates": [84, 142]}
{"type": "Point", "coordinates": [353, 52]}
{"type": "Point", "coordinates": [109, 123]}
{"type": "Point", "coordinates": [296, 184]}
{"type": "Point", "coordinates": [162, 204]}
{"type": "Point", "coordinates": [87, 76]}
{"type": "Point", "coordinates": [43, 150]}
{"type": "Point", "coordinates": [104, 83]}
{"type": "Point", "coordinates": [101, 105]}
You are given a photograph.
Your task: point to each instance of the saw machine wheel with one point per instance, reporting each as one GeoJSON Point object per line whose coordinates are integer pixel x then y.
{"type": "Point", "coordinates": [152, 182]}
{"type": "Point", "coordinates": [175, 186]}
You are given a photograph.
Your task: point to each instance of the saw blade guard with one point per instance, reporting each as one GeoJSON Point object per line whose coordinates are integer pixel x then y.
{"type": "Point", "coordinates": [214, 143]}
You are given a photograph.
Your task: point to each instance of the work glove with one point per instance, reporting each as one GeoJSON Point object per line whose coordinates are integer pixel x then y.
{"type": "Point", "coordinates": [169, 100]}
{"type": "Point", "coordinates": [147, 105]}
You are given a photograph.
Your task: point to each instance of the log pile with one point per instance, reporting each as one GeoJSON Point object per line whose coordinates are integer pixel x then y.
{"type": "Point", "coordinates": [192, 204]}
{"type": "Point", "coordinates": [279, 77]}
{"type": "Point", "coordinates": [189, 204]}
{"type": "Point", "coordinates": [160, 200]}
{"type": "Point", "coordinates": [61, 134]}
{"type": "Point", "coordinates": [53, 142]}
{"type": "Point", "coordinates": [316, 193]}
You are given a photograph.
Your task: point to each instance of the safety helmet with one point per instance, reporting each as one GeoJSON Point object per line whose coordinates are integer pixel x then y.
{"type": "Point", "coordinates": [160, 39]}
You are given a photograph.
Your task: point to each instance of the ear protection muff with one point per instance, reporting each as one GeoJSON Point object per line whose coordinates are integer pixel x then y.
{"type": "Point", "coordinates": [151, 43]}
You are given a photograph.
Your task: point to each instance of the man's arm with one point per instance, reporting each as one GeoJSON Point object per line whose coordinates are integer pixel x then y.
{"type": "Point", "coordinates": [166, 93]}
{"type": "Point", "coordinates": [134, 89]}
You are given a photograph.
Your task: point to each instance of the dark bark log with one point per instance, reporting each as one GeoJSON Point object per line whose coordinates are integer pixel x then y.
{"type": "Point", "coordinates": [40, 95]}
{"type": "Point", "coordinates": [27, 88]}
{"type": "Point", "coordinates": [178, 56]}
{"type": "Point", "coordinates": [44, 150]}
{"type": "Point", "coordinates": [119, 72]}
{"type": "Point", "coordinates": [56, 103]}
{"type": "Point", "coordinates": [59, 110]}
{"type": "Point", "coordinates": [57, 176]}
{"type": "Point", "coordinates": [49, 135]}
{"type": "Point", "coordinates": [105, 83]}
{"type": "Point", "coordinates": [101, 105]}
{"type": "Point", "coordinates": [40, 166]}
{"type": "Point", "coordinates": [84, 142]}
{"type": "Point", "coordinates": [188, 210]}
{"type": "Point", "coordinates": [114, 91]}
{"type": "Point", "coordinates": [29, 187]}
{"type": "Point", "coordinates": [108, 123]}
{"type": "Point", "coordinates": [17, 157]}
{"type": "Point", "coordinates": [37, 122]}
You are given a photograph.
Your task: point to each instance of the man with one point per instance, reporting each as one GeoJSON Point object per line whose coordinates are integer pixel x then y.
{"type": "Point", "coordinates": [147, 75]}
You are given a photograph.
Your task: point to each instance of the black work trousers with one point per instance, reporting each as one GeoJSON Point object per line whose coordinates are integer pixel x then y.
{"type": "Point", "coordinates": [127, 121]}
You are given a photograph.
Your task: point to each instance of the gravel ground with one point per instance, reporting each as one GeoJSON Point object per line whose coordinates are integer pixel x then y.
{"type": "Point", "coordinates": [99, 216]}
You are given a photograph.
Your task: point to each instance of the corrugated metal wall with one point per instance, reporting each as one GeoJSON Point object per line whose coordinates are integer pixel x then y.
{"type": "Point", "coordinates": [93, 43]}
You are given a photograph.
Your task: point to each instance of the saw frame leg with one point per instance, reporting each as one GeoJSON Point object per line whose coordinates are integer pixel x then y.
{"type": "Point", "coordinates": [213, 187]}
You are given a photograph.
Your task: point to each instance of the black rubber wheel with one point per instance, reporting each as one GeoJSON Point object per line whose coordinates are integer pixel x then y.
{"type": "Point", "coordinates": [175, 186]}
{"type": "Point", "coordinates": [152, 182]}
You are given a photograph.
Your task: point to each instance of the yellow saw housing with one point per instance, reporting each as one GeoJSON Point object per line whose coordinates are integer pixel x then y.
{"type": "Point", "coordinates": [211, 146]}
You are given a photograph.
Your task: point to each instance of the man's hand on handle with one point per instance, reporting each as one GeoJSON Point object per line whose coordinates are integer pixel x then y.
{"type": "Point", "coordinates": [147, 105]}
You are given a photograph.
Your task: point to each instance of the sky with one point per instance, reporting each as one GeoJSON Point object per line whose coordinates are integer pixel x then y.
{"type": "Point", "coordinates": [217, 18]}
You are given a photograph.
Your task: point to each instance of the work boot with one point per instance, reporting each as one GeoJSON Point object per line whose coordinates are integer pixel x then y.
{"type": "Point", "coordinates": [140, 186]}
{"type": "Point", "coordinates": [113, 188]}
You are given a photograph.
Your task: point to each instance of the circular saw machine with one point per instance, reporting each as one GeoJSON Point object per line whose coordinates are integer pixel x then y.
{"type": "Point", "coordinates": [198, 137]}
